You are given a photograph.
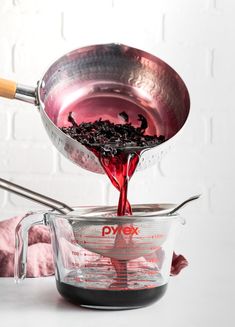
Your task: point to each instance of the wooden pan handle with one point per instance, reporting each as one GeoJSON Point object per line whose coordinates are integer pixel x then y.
{"type": "Point", "coordinates": [7, 88]}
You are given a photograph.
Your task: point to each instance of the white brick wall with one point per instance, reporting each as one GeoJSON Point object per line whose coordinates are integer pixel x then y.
{"type": "Point", "coordinates": [196, 37]}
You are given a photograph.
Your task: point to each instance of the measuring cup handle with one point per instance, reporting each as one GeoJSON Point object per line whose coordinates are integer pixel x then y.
{"type": "Point", "coordinates": [12, 90]}
{"type": "Point", "coordinates": [21, 242]}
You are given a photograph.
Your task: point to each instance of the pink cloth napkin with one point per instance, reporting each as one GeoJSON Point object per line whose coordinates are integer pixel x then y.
{"type": "Point", "coordinates": [178, 263]}
{"type": "Point", "coordinates": [39, 257]}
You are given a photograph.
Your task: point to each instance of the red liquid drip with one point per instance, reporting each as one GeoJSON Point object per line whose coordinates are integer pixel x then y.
{"type": "Point", "coordinates": [120, 168]}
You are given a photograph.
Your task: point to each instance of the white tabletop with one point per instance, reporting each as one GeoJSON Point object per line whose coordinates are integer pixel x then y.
{"type": "Point", "coordinates": [187, 303]}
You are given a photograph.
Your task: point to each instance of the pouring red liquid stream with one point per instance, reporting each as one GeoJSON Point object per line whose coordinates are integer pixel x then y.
{"type": "Point", "coordinates": [120, 169]}
{"type": "Point", "coordinates": [119, 163]}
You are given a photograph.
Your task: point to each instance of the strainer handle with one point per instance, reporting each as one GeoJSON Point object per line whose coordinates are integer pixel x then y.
{"type": "Point", "coordinates": [21, 242]}
{"type": "Point", "coordinates": [34, 196]}
{"type": "Point", "coordinates": [11, 90]}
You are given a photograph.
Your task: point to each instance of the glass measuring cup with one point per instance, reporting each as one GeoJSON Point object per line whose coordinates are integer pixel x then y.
{"type": "Point", "coordinates": [103, 261]}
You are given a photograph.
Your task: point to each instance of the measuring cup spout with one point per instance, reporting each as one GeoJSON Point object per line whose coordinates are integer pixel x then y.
{"type": "Point", "coordinates": [12, 90]}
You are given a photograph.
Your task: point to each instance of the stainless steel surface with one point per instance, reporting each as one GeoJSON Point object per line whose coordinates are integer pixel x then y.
{"type": "Point", "coordinates": [90, 80]}
{"type": "Point", "coordinates": [149, 209]}
{"type": "Point", "coordinates": [115, 71]}
{"type": "Point", "coordinates": [34, 196]}
{"type": "Point", "coordinates": [181, 205]}
{"type": "Point", "coordinates": [161, 209]}
{"type": "Point", "coordinates": [26, 94]}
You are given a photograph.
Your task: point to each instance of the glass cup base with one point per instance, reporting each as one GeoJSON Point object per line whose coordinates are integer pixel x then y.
{"type": "Point", "coordinates": [111, 299]}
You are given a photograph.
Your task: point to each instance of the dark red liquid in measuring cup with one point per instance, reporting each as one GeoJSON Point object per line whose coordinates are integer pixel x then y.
{"type": "Point", "coordinates": [122, 299]}
{"type": "Point", "coordinates": [118, 147]}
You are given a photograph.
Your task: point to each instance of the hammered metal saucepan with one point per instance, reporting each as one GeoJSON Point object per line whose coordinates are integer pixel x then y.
{"type": "Point", "coordinates": [100, 81]}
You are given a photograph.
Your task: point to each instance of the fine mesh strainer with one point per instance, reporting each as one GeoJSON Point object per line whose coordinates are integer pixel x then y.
{"type": "Point", "coordinates": [101, 81]}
